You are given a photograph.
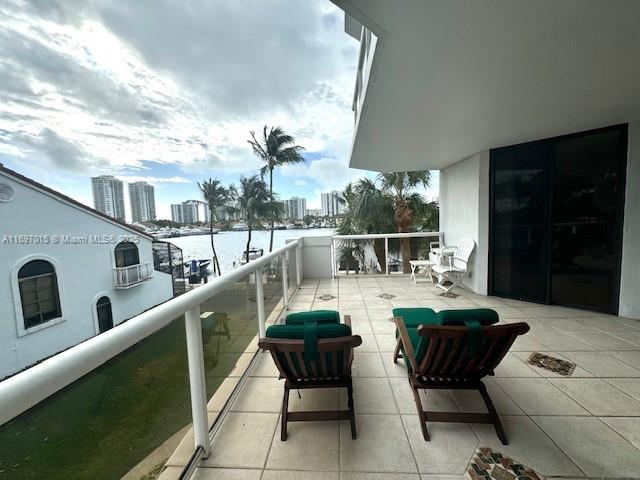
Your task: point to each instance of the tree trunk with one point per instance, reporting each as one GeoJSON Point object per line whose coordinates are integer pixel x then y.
{"type": "Point", "coordinates": [403, 217]}
{"type": "Point", "coordinates": [272, 213]}
{"type": "Point", "coordinates": [216, 264]}
{"type": "Point", "coordinates": [246, 253]}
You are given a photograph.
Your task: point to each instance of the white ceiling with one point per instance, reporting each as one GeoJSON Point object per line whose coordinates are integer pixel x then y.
{"type": "Point", "coordinates": [455, 77]}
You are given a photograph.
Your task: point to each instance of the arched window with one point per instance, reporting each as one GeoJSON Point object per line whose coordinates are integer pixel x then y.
{"type": "Point", "coordinates": [38, 293]}
{"type": "Point", "coordinates": [105, 316]}
{"type": "Point", "coordinates": [126, 254]}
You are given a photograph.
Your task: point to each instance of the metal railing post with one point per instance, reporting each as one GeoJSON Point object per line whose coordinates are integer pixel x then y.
{"type": "Point", "coordinates": [197, 383]}
{"type": "Point", "coordinates": [386, 255]}
{"type": "Point", "coordinates": [260, 303]}
{"type": "Point", "coordinates": [285, 279]}
{"type": "Point", "coordinates": [298, 264]}
{"type": "Point", "coordinates": [334, 266]}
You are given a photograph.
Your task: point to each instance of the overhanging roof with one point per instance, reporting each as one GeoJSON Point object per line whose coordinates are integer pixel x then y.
{"type": "Point", "coordinates": [454, 77]}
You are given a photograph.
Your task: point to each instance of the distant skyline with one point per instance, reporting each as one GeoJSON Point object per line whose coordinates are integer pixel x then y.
{"type": "Point", "coordinates": [111, 87]}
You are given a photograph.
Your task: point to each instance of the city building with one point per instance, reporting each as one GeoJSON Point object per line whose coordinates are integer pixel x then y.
{"type": "Point", "coordinates": [331, 204]}
{"type": "Point", "coordinates": [230, 211]}
{"type": "Point", "coordinates": [186, 212]}
{"type": "Point", "coordinates": [314, 212]}
{"type": "Point", "coordinates": [72, 272]}
{"type": "Point", "coordinates": [295, 208]}
{"type": "Point", "coordinates": [108, 196]}
{"type": "Point", "coordinates": [143, 202]}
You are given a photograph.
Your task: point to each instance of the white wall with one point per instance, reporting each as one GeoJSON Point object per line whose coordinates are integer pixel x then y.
{"type": "Point", "coordinates": [629, 305]}
{"type": "Point", "coordinates": [316, 257]}
{"type": "Point", "coordinates": [464, 212]}
{"type": "Point", "coordinates": [85, 272]}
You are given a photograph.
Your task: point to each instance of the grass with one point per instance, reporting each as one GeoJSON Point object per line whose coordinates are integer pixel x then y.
{"type": "Point", "coordinates": [105, 423]}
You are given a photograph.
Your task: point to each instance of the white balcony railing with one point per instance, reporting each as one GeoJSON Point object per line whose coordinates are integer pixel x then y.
{"type": "Point", "coordinates": [343, 241]}
{"type": "Point", "coordinates": [125, 277]}
{"type": "Point", "coordinates": [30, 387]}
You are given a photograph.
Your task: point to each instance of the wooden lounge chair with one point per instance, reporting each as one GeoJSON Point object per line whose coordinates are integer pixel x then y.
{"type": "Point", "coordinates": [456, 357]}
{"type": "Point", "coordinates": [313, 352]}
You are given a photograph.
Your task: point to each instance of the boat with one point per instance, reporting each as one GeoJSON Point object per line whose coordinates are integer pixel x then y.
{"type": "Point", "coordinates": [240, 227]}
{"type": "Point", "coordinates": [253, 254]}
{"type": "Point", "coordinates": [196, 270]}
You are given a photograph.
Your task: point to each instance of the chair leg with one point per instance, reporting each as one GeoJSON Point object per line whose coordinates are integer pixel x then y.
{"type": "Point", "coordinates": [396, 352]}
{"type": "Point", "coordinates": [352, 410]}
{"type": "Point", "coordinates": [495, 419]}
{"type": "Point", "coordinates": [421, 416]}
{"type": "Point", "coordinates": [285, 412]}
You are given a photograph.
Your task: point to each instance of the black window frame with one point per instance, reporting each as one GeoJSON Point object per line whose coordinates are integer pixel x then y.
{"type": "Point", "coordinates": [46, 271]}
{"type": "Point", "coordinates": [125, 256]}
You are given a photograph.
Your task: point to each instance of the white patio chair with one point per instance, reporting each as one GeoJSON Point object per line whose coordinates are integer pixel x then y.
{"type": "Point", "coordinates": [456, 267]}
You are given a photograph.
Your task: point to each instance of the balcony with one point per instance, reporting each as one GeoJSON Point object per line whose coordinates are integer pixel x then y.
{"type": "Point", "coordinates": [581, 426]}
{"type": "Point", "coordinates": [127, 277]}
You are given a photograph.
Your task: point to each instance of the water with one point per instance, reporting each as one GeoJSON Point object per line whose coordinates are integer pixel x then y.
{"type": "Point", "coordinates": [231, 245]}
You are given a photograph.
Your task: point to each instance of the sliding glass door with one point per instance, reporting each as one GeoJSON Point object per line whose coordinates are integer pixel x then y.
{"type": "Point", "coordinates": [556, 219]}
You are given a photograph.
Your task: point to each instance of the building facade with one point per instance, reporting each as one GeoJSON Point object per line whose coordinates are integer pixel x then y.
{"type": "Point", "coordinates": [108, 196]}
{"type": "Point", "coordinates": [143, 202]}
{"type": "Point", "coordinates": [331, 204]}
{"type": "Point", "coordinates": [186, 212]}
{"type": "Point", "coordinates": [538, 149]}
{"type": "Point", "coordinates": [71, 273]}
{"type": "Point", "coordinates": [295, 208]}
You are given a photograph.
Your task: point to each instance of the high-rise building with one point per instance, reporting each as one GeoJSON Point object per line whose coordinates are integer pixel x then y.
{"type": "Point", "coordinates": [295, 208]}
{"type": "Point", "coordinates": [185, 212]}
{"type": "Point", "coordinates": [108, 196]}
{"type": "Point", "coordinates": [314, 212]}
{"type": "Point", "coordinates": [143, 202]}
{"type": "Point", "coordinates": [331, 204]}
{"type": "Point", "coordinates": [229, 211]}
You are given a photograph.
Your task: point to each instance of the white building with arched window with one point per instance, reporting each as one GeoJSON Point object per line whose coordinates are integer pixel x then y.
{"type": "Point", "coordinates": [67, 272]}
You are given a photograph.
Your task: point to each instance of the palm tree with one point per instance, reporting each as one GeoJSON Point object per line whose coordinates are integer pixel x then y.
{"type": "Point", "coordinates": [400, 187]}
{"type": "Point", "coordinates": [367, 209]}
{"type": "Point", "coordinates": [254, 204]}
{"type": "Point", "coordinates": [215, 195]}
{"type": "Point", "coordinates": [275, 148]}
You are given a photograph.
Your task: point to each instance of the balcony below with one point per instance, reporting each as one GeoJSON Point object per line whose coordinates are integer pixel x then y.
{"type": "Point", "coordinates": [585, 425]}
{"type": "Point", "coordinates": [132, 275]}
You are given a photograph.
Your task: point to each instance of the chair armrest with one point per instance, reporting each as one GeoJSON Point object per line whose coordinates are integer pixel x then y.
{"type": "Point", "coordinates": [451, 259]}
{"type": "Point", "coordinates": [406, 342]}
{"type": "Point", "coordinates": [448, 249]}
{"type": "Point", "coordinates": [347, 320]}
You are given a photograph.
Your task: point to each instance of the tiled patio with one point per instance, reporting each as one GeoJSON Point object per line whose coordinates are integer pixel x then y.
{"type": "Point", "coordinates": [586, 425]}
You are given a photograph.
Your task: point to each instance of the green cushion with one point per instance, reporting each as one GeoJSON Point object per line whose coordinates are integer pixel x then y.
{"type": "Point", "coordinates": [320, 316]}
{"type": "Point", "coordinates": [325, 330]}
{"type": "Point", "coordinates": [474, 319]}
{"type": "Point", "coordinates": [415, 316]}
{"type": "Point", "coordinates": [310, 331]}
{"type": "Point", "coordinates": [484, 316]}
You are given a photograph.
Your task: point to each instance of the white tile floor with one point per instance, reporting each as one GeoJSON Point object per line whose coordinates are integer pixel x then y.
{"type": "Point", "coordinates": [583, 426]}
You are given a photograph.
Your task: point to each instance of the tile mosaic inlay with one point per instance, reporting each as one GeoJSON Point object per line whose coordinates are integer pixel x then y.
{"type": "Point", "coordinates": [449, 295]}
{"type": "Point", "coordinates": [489, 464]}
{"type": "Point", "coordinates": [563, 367]}
{"type": "Point", "coordinates": [326, 297]}
{"type": "Point", "coordinates": [386, 296]}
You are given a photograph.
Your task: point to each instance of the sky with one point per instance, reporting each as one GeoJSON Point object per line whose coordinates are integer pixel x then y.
{"type": "Point", "coordinates": [168, 92]}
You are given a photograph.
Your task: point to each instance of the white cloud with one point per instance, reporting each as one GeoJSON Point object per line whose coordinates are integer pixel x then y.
{"type": "Point", "coordinates": [330, 173]}
{"type": "Point", "coordinates": [108, 84]}
{"type": "Point", "coordinates": [152, 180]}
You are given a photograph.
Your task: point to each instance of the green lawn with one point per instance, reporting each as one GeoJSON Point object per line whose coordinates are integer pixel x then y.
{"type": "Point", "coordinates": [105, 423]}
